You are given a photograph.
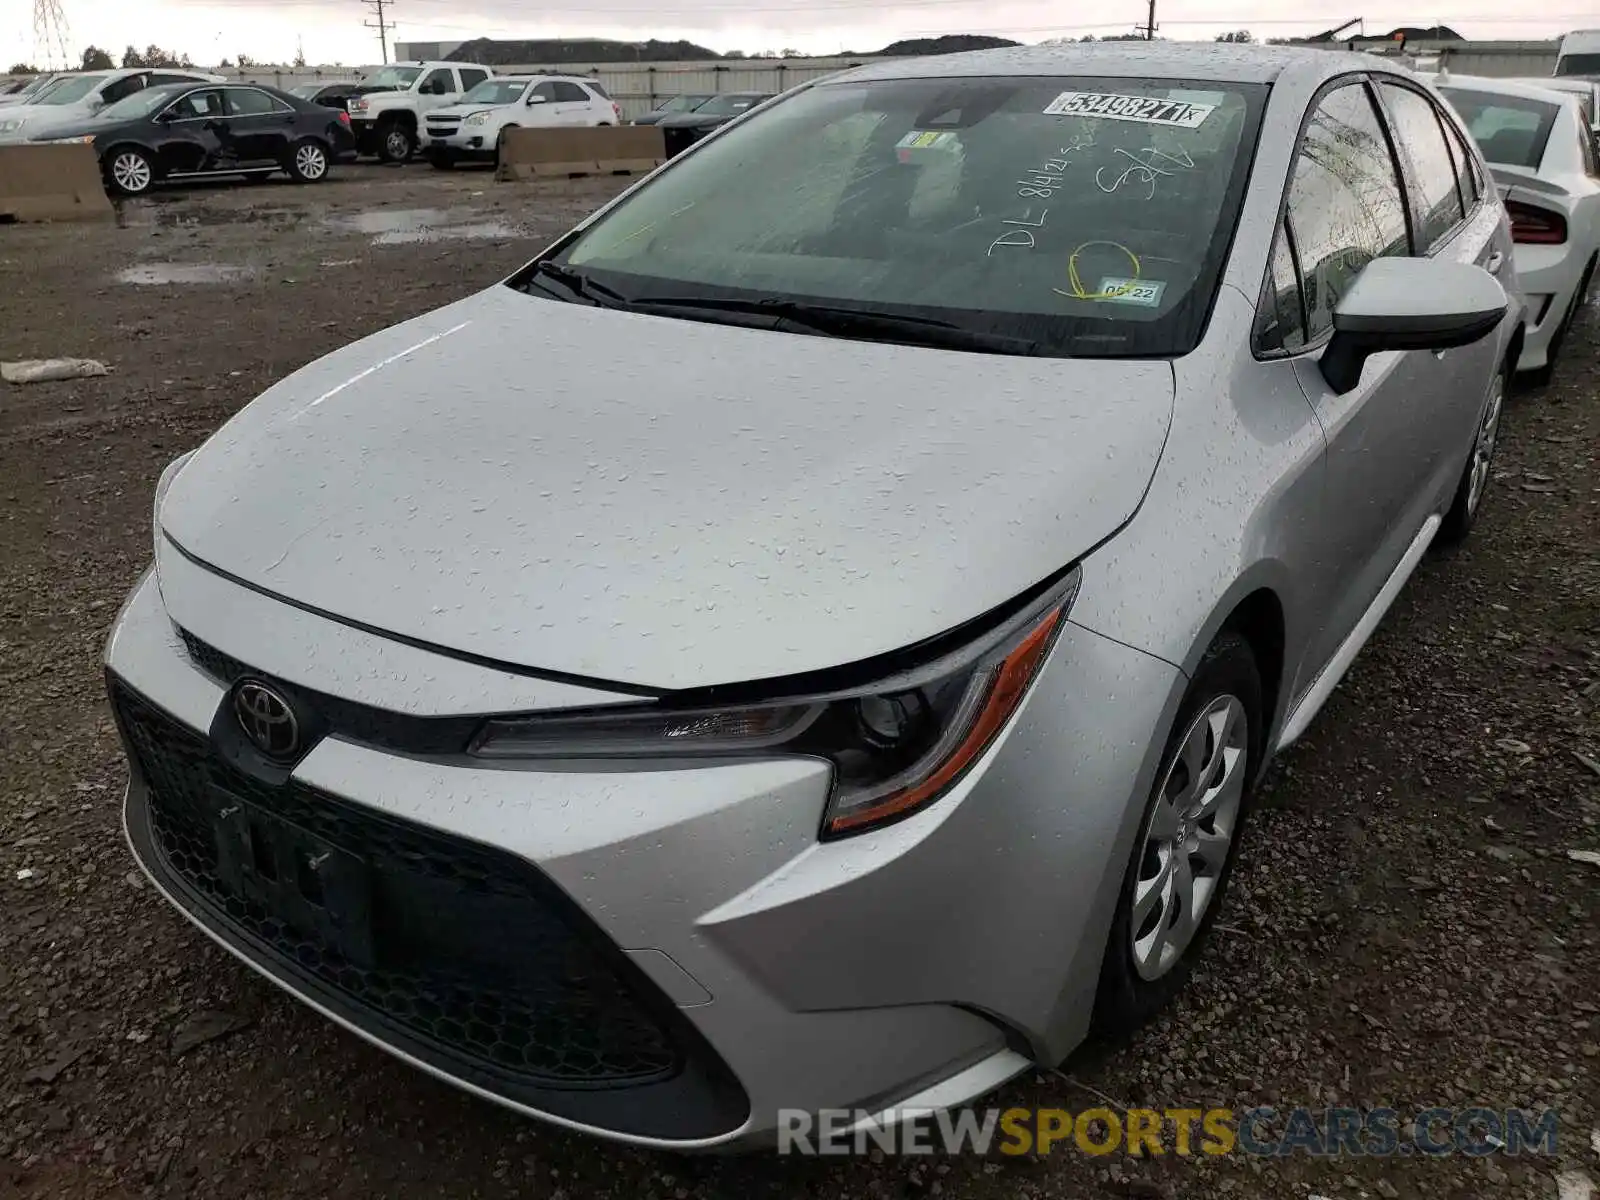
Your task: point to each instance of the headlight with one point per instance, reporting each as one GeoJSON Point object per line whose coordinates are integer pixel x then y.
{"type": "Point", "coordinates": [88, 137]}
{"type": "Point", "coordinates": [358, 106]}
{"type": "Point", "coordinates": [12, 125]}
{"type": "Point", "coordinates": [476, 119]}
{"type": "Point", "coordinates": [895, 746]}
{"type": "Point", "coordinates": [162, 484]}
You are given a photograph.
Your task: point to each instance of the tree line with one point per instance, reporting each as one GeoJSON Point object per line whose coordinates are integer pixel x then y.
{"type": "Point", "coordinates": [96, 59]}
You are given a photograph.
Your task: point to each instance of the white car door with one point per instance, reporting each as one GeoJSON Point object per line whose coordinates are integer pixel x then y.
{"type": "Point", "coordinates": [539, 107]}
{"type": "Point", "coordinates": [437, 89]}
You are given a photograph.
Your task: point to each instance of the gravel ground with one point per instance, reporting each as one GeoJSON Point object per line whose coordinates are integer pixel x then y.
{"type": "Point", "coordinates": [1405, 928]}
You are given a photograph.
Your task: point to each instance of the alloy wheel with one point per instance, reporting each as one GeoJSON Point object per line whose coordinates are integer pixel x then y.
{"type": "Point", "coordinates": [1189, 835]}
{"type": "Point", "coordinates": [131, 172]}
{"type": "Point", "coordinates": [1483, 447]}
{"type": "Point", "coordinates": [311, 161]}
{"type": "Point", "coordinates": [398, 143]}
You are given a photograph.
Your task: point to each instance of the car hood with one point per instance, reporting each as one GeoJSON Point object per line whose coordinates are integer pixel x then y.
{"type": "Point", "coordinates": [661, 502]}
{"type": "Point", "coordinates": [463, 110]}
{"type": "Point", "coordinates": [82, 126]}
{"type": "Point", "coordinates": [683, 120]}
{"type": "Point", "coordinates": [38, 116]}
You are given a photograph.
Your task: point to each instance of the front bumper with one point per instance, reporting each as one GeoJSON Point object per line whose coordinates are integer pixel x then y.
{"type": "Point", "coordinates": [464, 144]}
{"type": "Point", "coordinates": [662, 953]}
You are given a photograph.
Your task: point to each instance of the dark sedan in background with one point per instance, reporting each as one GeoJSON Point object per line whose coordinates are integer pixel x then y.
{"type": "Point", "coordinates": [684, 129]}
{"type": "Point", "coordinates": [189, 131]}
{"type": "Point", "coordinates": [685, 103]}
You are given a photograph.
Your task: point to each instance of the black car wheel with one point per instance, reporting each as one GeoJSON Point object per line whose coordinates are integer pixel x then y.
{"type": "Point", "coordinates": [130, 171]}
{"type": "Point", "coordinates": [396, 143]}
{"type": "Point", "coordinates": [500, 142]}
{"type": "Point", "coordinates": [1185, 853]}
{"type": "Point", "coordinates": [308, 161]}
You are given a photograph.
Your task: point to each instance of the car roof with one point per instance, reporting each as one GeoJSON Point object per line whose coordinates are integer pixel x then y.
{"type": "Point", "coordinates": [1507, 87]}
{"type": "Point", "coordinates": [1222, 62]}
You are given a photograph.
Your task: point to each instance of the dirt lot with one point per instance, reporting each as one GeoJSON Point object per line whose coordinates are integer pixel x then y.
{"type": "Point", "coordinates": [1406, 928]}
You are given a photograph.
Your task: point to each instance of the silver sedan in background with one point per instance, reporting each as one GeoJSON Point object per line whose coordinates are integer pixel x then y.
{"type": "Point", "coordinates": [808, 640]}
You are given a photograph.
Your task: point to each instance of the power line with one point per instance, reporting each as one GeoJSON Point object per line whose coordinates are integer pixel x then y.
{"type": "Point", "coordinates": [383, 26]}
{"type": "Point", "coordinates": [50, 35]}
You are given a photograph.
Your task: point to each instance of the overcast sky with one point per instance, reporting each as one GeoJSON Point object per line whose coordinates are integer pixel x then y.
{"type": "Point", "coordinates": [331, 30]}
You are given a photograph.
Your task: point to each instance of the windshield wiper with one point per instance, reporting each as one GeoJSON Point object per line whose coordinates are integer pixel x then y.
{"type": "Point", "coordinates": [581, 285]}
{"type": "Point", "coordinates": [851, 322]}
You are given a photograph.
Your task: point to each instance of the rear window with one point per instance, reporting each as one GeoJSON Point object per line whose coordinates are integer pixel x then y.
{"type": "Point", "coordinates": [1510, 130]}
{"type": "Point", "coordinates": [1578, 64]}
{"type": "Point", "coordinates": [1089, 215]}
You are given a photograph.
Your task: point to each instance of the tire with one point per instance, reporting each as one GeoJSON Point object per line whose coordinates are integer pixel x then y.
{"type": "Point", "coordinates": [129, 171]}
{"type": "Point", "coordinates": [396, 143]}
{"type": "Point", "coordinates": [308, 161]}
{"type": "Point", "coordinates": [1541, 376]}
{"type": "Point", "coordinates": [500, 143]}
{"type": "Point", "coordinates": [1221, 716]}
{"type": "Point", "coordinates": [1467, 503]}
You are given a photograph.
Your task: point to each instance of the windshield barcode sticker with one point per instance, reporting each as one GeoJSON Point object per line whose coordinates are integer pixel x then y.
{"type": "Point", "coordinates": [1144, 292]}
{"type": "Point", "coordinates": [920, 139]}
{"type": "Point", "coordinates": [1147, 110]}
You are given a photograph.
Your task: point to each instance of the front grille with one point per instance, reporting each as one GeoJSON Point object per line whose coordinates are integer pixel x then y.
{"type": "Point", "coordinates": [224, 668]}
{"type": "Point", "coordinates": [443, 128]}
{"type": "Point", "coordinates": [459, 954]}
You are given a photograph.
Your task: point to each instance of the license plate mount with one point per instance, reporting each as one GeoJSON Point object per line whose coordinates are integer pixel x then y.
{"type": "Point", "coordinates": [314, 888]}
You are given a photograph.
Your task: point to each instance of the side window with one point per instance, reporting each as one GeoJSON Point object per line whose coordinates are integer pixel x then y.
{"type": "Point", "coordinates": [471, 77]}
{"type": "Point", "coordinates": [570, 93]}
{"type": "Point", "coordinates": [1473, 185]}
{"type": "Point", "coordinates": [121, 89]}
{"type": "Point", "coordinates": [1586, 148]}
{"type": "Point", "coordinates": [594, 86]}
{"type": "Point", "coordinates": [1418, 133]}
{"type": "Point", "coordinates": [438, 83]}
{"type": "Point", "coordinates": [248, 102]}
{"type": "Point", "coordinates": [1345, 203]}
{"type": "Point", "coordinates": [1280, 319]}
{"type": "Point", "coordinates": [197, 106]}
{"type": "Point", "coordinates": [545, 89]}
{"type": "Point", "coordinates": [1463, 173]}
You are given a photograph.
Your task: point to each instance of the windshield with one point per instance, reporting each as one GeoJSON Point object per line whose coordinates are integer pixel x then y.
{"type": "Point", "coordinates": [1510, 130]}
{"type": "Point", "coordinates": [722, 106]}
{"type": "Point", "coordinates": [71, 89]}
{"type": "Point", "coordinates": [1089, 215]}
{"type": "Point", "coordinates": [681, 104]}
{"type": "Point", "coordinates": [140, 104]}
{"type": "Point", "coordinates": [496, 91]}
{"type": "Point", "coordinates": [394, 79]}
{"type": "Point", "coordinates": [1578, 64]}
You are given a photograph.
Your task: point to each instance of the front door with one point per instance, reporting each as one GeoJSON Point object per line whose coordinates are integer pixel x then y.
{"type": "Point", "coordinates": [189, 137]}
{"type": "Point", "coordinates": [1346, 207]}
{"type": "Point", "coordinates": [437, 89]}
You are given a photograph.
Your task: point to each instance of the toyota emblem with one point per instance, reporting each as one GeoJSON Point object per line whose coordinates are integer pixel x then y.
{"type": "Point", "coordinates": [267, 720]}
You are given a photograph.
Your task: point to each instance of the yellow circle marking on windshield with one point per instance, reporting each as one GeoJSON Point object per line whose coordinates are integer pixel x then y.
{"type": "Point", "coordinates": [1078, 293]}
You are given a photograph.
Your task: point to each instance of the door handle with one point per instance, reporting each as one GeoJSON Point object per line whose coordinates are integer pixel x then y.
{"type": "Point", "coordinates": [1496, 261]}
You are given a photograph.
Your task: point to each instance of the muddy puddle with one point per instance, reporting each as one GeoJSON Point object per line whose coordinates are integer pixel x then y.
{"type": "Point", "coordinates": [173, 274]}
{"type": "Point", "coordinates": [408, 226]}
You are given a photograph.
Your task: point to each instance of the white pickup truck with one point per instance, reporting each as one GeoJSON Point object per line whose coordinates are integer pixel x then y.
{"type": "Point", "coordinates": [388, 107]}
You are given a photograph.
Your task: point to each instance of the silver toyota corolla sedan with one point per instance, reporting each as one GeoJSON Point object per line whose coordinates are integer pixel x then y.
{"type": "Point", "coordinates": [808, 639]}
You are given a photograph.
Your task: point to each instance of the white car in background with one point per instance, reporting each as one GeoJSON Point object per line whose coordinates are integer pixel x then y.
{"type": "Point", "coordinates": [1542, 154]}
{"type": "Point", "coordinates": [1586, 90]}
{"type": "Point", "coordinates": [29, 91]}
{"type": "Point", "coordinates": [82, 94]}
{"type": "Point", "coordinates": [472, 130]}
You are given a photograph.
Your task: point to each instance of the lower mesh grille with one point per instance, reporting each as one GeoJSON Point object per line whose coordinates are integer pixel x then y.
{"type": "Point", "coordinates": [460, 954]}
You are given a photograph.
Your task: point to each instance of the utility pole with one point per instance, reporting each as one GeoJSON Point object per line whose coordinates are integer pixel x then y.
{"type": "Point", "coordinates": [1150, 25]}
{"type": "Point", "coordinates": [382, 25]}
